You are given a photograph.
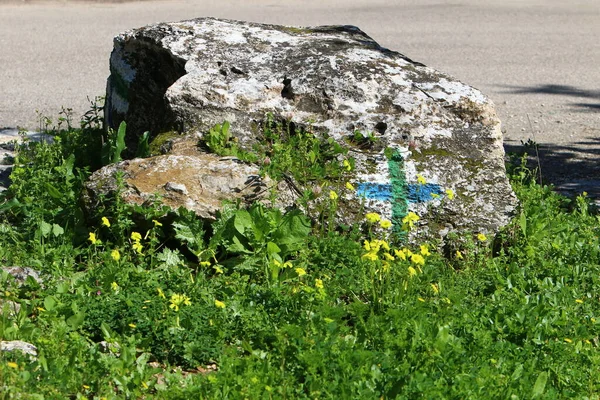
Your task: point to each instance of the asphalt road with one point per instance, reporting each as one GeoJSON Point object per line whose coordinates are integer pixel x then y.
{"type": "Point", "coordinates": [537, 59]}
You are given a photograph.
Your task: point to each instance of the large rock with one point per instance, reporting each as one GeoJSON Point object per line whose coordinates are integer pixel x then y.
{"type": "Point", "coordinates": [191, 75]}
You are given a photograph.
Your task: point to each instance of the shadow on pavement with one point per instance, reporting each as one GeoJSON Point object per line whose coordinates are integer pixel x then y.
{"type": "Point", "coordinates": [560, 90]}
{"type": "Point", "coordinates": [572, 168]}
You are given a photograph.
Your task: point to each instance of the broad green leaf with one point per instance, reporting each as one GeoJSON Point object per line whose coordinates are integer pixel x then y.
{"type": "Point", "coordinates": [272, 248]}
{"type": "Point", "coordinates": [242, 221]}
{"type": "Point", "coordinates": [540, 384]}
{"type": "Point", "coordinates": [57, 230]}
{"type": "Point", "coordinates": [45, 228]}
{"type": "Point", "coordinates": [518, 372]}
{"type": "Point", "coordinates": [52, 191]}
{"type": "Point", "coordinates": [169, 257]}
{"type": "Point", "coordinates": [523, 223]}
{"type": "Point", "coordinates": [184, 233]}
{"type": "Point", "coordinates": [49, 303]}
{"type": "Point", "coordinates": [293, 231]}
{"type": "Point", "coordinates": [75, 320]}
{"type": "Point", "coordinates": [119, 143]}
{"type": "Point", "coordinates": [237, 246]}
{"type": "Point", "coordinates": [105, 331]}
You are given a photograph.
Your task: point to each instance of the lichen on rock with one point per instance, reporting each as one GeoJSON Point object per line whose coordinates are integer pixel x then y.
{"type": "Point", "coordinates": [191, 75]}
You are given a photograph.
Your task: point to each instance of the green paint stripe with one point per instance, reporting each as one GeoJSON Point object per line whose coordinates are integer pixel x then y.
{"type": "Point", "coordinates": [399, 192]}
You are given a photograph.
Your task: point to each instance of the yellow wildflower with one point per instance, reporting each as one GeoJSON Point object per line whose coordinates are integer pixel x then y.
{"type": "Point", "coordinates": [137, 247]}
{"type": "Point", "coordinates": [400, 254]}
{"type": "Point", "coordinates": [385, 223]}
{"type": "Point", "coordinates": [327, 320]}
{"type": "Point", "coordinates": [347, 165]}
{"type": "Point", "coordinates": [421, 179]}
{"type": "Point", "coordinates": [86, 387]}
{"type": "Point", "coordinates": [425, 250]}
{"type": "Point", "coordinates": [459, 255]}
{"type": "Point", "coordinates": [115, 255]}
{"type": "Point", "coordinates": [481, 237]}
{"type": "Point", "coordinates": [372, 256]}
{"type": "Point", "coordinates": [417, 259]}
{"type": "Point", "coordinates": [156, 223]}
{"type": "Point", "coordinates": [450, 194]}
{"type": "Point", "coordinates": [205, 263]}
{"type": "Point", "coordinates": [422, 300]}
{"type": "Point", "coordinates": [161, 293]}
{"type": "Point", "coordinates": [333, 195]}
{"type": "Point", "coordinates": [12, 365]}
{"type": "Point", "coordinates": [385, 245]}
{"type": "Point", "coordinates": [136, 236]}
{"type": "Point", "coordinates": [412, 272]}
{"type": "Point", "coordinates": [300, 271]}
{"type": "Point", "coordinates": [367, 245]}
{"type": "Point", "coordinates": [105, 222]}
{"type": "Point", "coordinates": [388, 256]}
{"type": "Point", "coordinates": [410, 219]}
{"type": "Point", "coordinates": [132, 326]}
{"type": "Point", "coordinates": [92, 238]}
{"type": "Point", "coordinates": [435, 288]}
{"type": "Point", "coordinates": [179, 299]}
{"type": "Point", "coordinates": [568, 340]}
{"type": "Point", "coordinates": [350, 187]}
{"type": "Point", "coordinates": [373, 217]}
{"type": "Point", "coordinates": [218, 269]}
{"type": "Point", "coordinates": [579, 301]}
{"type": "Point", "coordinates": [318, 283]}
{"type": "Point", "coordinates": [114, 286]}
{"type": "Point", "coordinates": [219, 304]}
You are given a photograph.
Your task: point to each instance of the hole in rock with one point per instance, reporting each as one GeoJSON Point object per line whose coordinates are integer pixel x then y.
{"type": "Point", "coordinates": [381, 127]}
{"type": "Point", "coordinates": [288, 91]}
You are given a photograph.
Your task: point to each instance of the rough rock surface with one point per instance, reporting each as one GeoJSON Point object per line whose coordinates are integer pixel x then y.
{"type": "Point", "coordinates": [186, 177]}
{"type": "Point", "coordinates": [440, 133]}
{"type": "Point", "coordinates": [19, 345]}
{"type": "Point", "coordinates": [20, 274]}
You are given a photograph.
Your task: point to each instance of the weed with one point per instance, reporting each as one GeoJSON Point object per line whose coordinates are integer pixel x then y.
{"type": "Point", "coordinates": [143, 302]}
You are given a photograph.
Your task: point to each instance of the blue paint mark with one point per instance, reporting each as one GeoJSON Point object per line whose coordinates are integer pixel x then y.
{"type": "Point", "coordinates": [417, 193]}
{"type": "Point", "coordinates": [375, 191]}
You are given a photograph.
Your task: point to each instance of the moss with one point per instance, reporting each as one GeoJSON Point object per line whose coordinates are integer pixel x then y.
{"type": "Point", "coordinates": [119, 84]}
{"type": "Point", "coordinates": [160, 140]}
{"type": "Point", "coordinates": [296, 30]}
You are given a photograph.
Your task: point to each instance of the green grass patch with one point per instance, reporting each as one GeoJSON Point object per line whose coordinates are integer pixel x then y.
{"type": "Point", "coordinates": [148, 303]}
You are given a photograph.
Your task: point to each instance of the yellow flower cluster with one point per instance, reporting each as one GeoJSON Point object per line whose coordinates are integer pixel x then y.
{"type": "Point", "coordinates": [379, 251]}
{"type": "Point", "coordinates": [179, 299]}
{"type": "Point", "coordinates": [137, 246]}
{"type": "Point", "coordinates": [92, 238]}
{"type": "Point", "coordinates": [219, 304]}
{"type": "Point", "coordinates": [373, 218]}
{"type": "Point", "coordinates": [408, 222]}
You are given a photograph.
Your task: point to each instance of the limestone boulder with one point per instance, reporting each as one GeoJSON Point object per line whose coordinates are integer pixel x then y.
{"type": "Point", "coordinates": [185, 177]}
{"type": "Point", "coordinates": [422, 141]}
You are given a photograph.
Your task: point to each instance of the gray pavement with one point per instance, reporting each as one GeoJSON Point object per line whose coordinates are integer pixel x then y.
{"type": "Point", "coordinates": [537, 59]}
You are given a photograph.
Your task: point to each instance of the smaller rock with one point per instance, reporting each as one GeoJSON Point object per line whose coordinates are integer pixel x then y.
{"type": "Point", "coordinates": [186, 177]}
{"type": "Point", "coordinates": [21, 273]}
{"type": "Point", "coordinates": [176, 187]}
{"type": "Point", "coordinates": [19, 345]}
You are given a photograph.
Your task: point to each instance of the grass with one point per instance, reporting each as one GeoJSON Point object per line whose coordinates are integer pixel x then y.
{"type": "Point", "coordinates": [148, 303]}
